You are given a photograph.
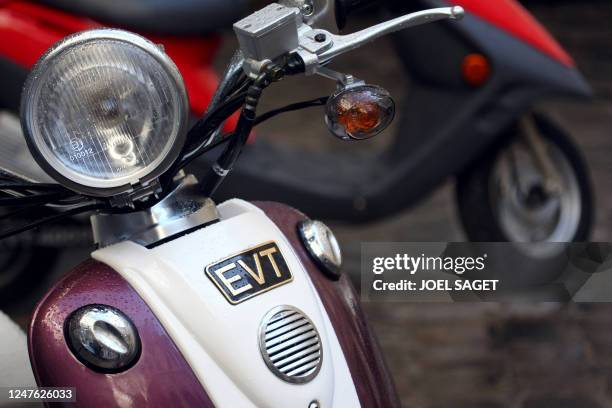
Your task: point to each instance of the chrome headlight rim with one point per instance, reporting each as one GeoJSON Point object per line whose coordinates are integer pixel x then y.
{"type": "Point", "coordinates": [79, 182]}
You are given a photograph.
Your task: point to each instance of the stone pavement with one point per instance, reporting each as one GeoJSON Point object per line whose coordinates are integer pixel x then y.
{"type": "Point", "coordinates": [491, 355]}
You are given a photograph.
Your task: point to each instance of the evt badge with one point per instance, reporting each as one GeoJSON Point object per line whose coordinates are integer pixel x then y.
{"type": "Point", "coordinates": [250, 273]}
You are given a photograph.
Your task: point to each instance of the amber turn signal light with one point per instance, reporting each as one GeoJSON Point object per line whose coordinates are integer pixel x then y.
{"type": "Point", "coordinates": [359, 112]}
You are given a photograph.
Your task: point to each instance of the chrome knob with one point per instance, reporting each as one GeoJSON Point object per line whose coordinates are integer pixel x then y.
{"type": "Point", "coordinates": [322, 245]}
{"type": "Point", "coordinates": [103, 338]}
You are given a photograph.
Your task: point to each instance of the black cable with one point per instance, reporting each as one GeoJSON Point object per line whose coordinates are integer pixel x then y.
{"type": "Point", "coordinates": [221, 141]}
{"type": "Point", "coordinates": [225, 162]}
{"type": "Point", "coordinates": [31, 193]}
{"type": "Point", "coordinates": [53, 218]}
{"type": "Point", "coordinates": [203, 130]}
{"type": "Point", "coordinates": [241, 87]}
{"type": "Point", "coordinates": [200, 132]}
{"type": "Point", "coordinates": [290, 108]}
{"type": "Point", "coordinates": [22, 210]}
{"type": "Point", "coordinates": [208, 126]}
{"type": "Point", "coordinates": [245, 125]}
{"type": "Point", "coordinates": [32, 186]}
{"type": "Point", "coordinates": [260, 119]}
{"type": "Point", "coordinates": [32, 199]}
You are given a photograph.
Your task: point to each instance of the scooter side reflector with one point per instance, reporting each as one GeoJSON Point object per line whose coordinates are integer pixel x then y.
{"type": "Point", "coordinates": [513, 18]}
{"type": "Point", "coordinates": [476, 69]}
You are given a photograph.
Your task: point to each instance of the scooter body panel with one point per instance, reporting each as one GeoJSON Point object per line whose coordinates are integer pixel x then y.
{"type": "Point", "coordinates": [511, 16]}
{"type": "Point", "coordinates": [219, 339]}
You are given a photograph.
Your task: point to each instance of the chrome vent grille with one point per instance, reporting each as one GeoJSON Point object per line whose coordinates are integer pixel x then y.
{"type": "Point", "coordinates": [290, 345]}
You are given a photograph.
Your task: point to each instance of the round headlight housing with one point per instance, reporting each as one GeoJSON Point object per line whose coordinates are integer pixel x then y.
{"type": "Point", "coordinates": [104, 111]}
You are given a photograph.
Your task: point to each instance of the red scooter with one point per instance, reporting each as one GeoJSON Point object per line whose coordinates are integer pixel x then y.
{"type": "Point", "coordinates": [186, 29]}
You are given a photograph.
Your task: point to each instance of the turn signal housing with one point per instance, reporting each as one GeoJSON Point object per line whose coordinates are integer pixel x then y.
{"type": "Point", "coordinates": [359, 112]}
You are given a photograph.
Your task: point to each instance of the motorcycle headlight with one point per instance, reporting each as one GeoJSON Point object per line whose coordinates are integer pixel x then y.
{"type": "Point", "coordinates": [103, 111]}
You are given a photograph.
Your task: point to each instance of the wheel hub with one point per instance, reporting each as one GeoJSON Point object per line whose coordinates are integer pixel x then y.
{"type": "Point", "coordinates": [528, 211]}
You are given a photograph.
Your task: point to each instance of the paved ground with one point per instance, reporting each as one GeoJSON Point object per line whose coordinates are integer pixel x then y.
{"type": "Point", "coordinates": [483, 355]}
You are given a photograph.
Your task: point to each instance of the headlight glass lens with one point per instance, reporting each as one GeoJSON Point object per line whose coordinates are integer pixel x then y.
{"type": "Point", "coordinates": [105, 112]}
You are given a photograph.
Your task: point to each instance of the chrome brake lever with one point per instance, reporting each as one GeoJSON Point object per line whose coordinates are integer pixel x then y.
{"type": "Point", "coordinates": [344, 43]}
{"type": "Point", "coordinates": [318, 47]}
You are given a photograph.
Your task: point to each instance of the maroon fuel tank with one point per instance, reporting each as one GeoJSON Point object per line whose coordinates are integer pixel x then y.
{"type": "Point", "coordinates": [161, 376]}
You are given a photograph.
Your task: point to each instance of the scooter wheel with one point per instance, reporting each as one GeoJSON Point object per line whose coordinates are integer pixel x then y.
{"type": "Point", "coordinates": [506, 197]}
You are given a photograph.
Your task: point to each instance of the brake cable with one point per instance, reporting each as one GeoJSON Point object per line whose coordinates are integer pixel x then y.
{"type": "Point", "coordinates": [228, 158]}
{"type": "Point", "coordinates": [53, 218]}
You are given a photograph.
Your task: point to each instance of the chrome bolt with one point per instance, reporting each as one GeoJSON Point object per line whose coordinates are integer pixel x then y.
{"type": "Point", "coordinates": [314, 404]}
{"type": "Point", "coordinates": [102, 338]}
{"type": "Point", "coordinates": [322, 245]}
{"type": "Point", "coordinates": [307, 9]}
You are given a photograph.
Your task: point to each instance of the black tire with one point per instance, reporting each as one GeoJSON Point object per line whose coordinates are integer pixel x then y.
{"type": "Point", "coordinates": [478, 216]}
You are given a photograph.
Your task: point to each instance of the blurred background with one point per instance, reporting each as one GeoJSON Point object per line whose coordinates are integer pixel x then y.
{"type": "Point", "coordinates": [459, 355]}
